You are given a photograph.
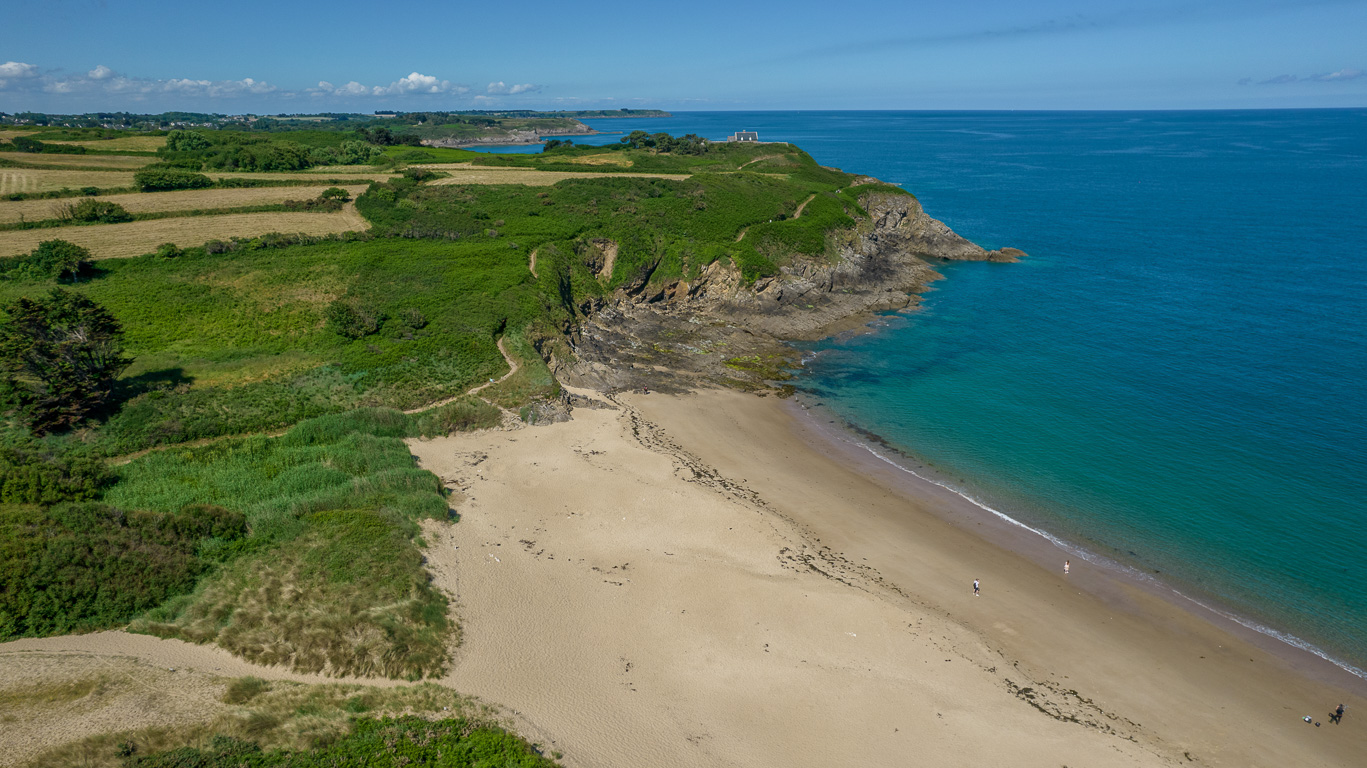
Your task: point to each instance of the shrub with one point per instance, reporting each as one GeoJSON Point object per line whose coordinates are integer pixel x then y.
{"type": "Point", "coordinates": [353, 319]}
{"type": "Point", "coordinates": [168, 251]}
{"type": "Point", "coordinates": [31, 475]}
{"type": "Point", "coordinates": [92, 211]}
{"type": "Point", "coordinates": [78, 567]}
{"type": "Point", "coordinates": [335, 193]}
{"type": "Point", "coordinates": [414, 318]}
{"type": "Point", "coordinates": [156, 179]}
{"type": "Point", "coordinates": [51, 259]}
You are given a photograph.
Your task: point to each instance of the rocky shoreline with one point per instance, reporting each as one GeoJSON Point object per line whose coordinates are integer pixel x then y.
{"type": "Point", "coordinates": [716, 330]}
{"type": "Point", "coordinates": [510, 138]}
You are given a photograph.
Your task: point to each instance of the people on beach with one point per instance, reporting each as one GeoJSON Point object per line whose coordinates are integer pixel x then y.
{"type": "Point", "coordinates": [975, 588]}
{"type": "Point", "coordinates": [1337, 717]}
{"type": "Point", "coordinates": [1065, 567]}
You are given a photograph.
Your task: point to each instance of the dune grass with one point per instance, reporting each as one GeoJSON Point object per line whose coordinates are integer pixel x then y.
{"type": "Point", "coordinates": [331, 578]}
{"type": "Point", "coordinates": [278, 716]}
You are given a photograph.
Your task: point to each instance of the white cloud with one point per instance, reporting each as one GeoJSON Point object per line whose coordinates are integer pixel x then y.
{"type": "Point", "coordinates": [1324, 77]}
{"type": "Point", "coordinates": [501, 88]}
{"type": "Point", "coordinates": [13, 70]}
{"type": "Point", "coordinates": [104, 80]}
{"type": "Point", "coordinates": [418, 83]}
{"type": "Point", "coordinates": [1342, 74]}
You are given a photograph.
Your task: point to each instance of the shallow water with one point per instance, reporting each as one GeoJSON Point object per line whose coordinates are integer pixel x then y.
{"type": "Point", "coordinates": [1173, 379]}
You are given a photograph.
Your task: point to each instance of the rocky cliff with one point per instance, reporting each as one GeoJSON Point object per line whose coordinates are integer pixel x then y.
{"type": "Point", "coordinates": [718, 329]}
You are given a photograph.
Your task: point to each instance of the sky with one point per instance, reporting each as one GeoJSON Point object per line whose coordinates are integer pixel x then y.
{"type": "Point", "coordinates": [69, 56]}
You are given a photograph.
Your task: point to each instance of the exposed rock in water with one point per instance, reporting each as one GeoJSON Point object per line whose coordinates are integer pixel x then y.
{"type": "Point", "coordinates": [716, 329]}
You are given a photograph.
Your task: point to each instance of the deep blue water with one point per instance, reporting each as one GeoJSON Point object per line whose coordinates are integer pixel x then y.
{"type": "Point", "coordinates": [1174, 379]}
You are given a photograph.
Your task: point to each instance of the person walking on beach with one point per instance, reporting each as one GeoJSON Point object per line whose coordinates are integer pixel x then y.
{"type": "Point", "coordinates": [975, 588]}
{"type": "Point", "coordinates": [1065, 567]}
{"type": "Point", "coordinates": [1337, 717]}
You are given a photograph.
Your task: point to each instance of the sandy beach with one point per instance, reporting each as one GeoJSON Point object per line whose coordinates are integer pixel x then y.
{"type": "Point", "coordinates": [706, 580]}
{"type": "Point", "coordinates": [717, 579]}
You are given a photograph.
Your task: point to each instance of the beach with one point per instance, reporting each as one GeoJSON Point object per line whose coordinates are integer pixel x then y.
{"type": "Point", "coordinates": [722, 579]}
{"type": "Point", "coordinates": [706, 580]}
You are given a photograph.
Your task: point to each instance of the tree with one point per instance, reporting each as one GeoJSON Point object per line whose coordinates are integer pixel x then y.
{"type": "Point", "coordinates": [186, 141]}
{"type": "Point", "coordinates": [59, 357]}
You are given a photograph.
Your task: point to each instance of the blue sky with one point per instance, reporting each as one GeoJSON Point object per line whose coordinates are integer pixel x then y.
{"type": "Point", "coordinates": [266, 57]}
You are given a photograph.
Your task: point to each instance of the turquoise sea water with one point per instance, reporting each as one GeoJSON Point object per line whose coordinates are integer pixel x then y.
{"type": "Point", "coordinates": [1174, 379]}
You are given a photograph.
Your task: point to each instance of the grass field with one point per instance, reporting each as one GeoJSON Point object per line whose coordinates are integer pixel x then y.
{"type": "Point", "coordinates": [122, 144]}
{"type": "Point", "coordinates": [50, 180]}
{"type": "Point", "coordinates": [112, 241]}
{"type": "Point", "coordinates": [465, 174]}
{"type": "Point", "coordinates": [181, 200]}
{"type": "Point", "coordinates": [604, 159]}
{"type": "Point", "coordinates": [100, 162]}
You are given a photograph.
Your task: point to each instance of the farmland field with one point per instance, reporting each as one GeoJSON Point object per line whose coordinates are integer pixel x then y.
{"type": "Point", "coordinates": [121, 144]}
{"type": "Point", "coordinates": [112, 162]}
{"type": "Point", "coordinates": [351, 176]}
{"type": "Point", "coordinates": [182, 200]}
{"type": "Point", "coordinates": [466, 174]}
{"type": "Point", "coordinates": [52, 179]}
{"type": "Point", "coordinates": [112, 241]}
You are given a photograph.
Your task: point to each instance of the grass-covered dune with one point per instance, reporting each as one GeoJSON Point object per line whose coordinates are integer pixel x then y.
{"type": "Point", "coordinates": [299, 550]}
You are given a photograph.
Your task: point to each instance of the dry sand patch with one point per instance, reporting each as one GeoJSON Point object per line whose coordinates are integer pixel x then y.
{"type": "Point", "coordinates": [614, 592]}
{"type": "Point", "coordinates": [182, 200]}
{"type": "Point", "coordinates": [111, 241]}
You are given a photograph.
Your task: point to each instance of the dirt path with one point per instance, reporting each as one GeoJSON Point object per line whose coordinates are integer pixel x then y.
{"type": "Point", "coordinates": [741, 235]}
{"type": "Point", "coordinates": [531, 264]}
{"type": "Point", "coordinates": [512, 368]}
{"type": "Point", "coordinates": [803, 207]}
{"type": "Point", "coordinates": [756, 160]}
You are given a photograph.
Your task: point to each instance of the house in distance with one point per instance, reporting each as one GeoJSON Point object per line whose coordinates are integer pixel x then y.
{"type": "Point", "coordinates": [744, 136]}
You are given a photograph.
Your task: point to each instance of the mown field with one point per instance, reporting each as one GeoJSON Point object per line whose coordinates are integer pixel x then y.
{"type": "Point", "coordinates": [91, 162]}
{"type": "Point", "coordinates": [467, 174]}
{"type": "Point", "coordinates": [114, 241]}
{"type": "Point", "coordinates": [121, 144]}
{"type": "Point", "coordinates": [181, 200]}
{"type": "Point", "coordinates": [30, 180]}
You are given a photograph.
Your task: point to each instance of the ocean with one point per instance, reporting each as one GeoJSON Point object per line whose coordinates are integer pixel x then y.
{"type": "Point", "coordinates": [1175, 380]}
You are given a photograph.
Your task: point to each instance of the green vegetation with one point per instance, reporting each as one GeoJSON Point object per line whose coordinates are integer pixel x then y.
{"type": "Point", "coordinates": [281, 718]}
{"type": "Point", "coordinates": [59, 358]}
{"type": "Point", "coordinates": [330, 578]}
{"type": "Point", "coordinates": [406, 741]}
{"type": "Point", "coordinates": [90, 211]}
{"type": "Point", "coordinates": [153, 179]}
{"type": "Point", "coordinates": [51, 260]}
{"type": "Point", "coordinates": [75, 567]}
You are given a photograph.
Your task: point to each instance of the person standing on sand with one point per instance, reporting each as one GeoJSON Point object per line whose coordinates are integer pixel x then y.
{"type": "Point", "coordinates": [1337, 716]}
{"type": "Point", "coordinates": [975, 588]}
{"type": "Point", "coordinates": [1065, 567]}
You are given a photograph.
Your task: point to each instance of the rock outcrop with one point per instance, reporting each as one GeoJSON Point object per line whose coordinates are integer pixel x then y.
{"type": "Point", "coordinates": [715, 328]}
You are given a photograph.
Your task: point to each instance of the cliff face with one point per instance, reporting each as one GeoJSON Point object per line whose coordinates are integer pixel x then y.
{"type": "Point", "coordinates": [684, 333]}
{"type": "Point", "coordinates": [880, 266]}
